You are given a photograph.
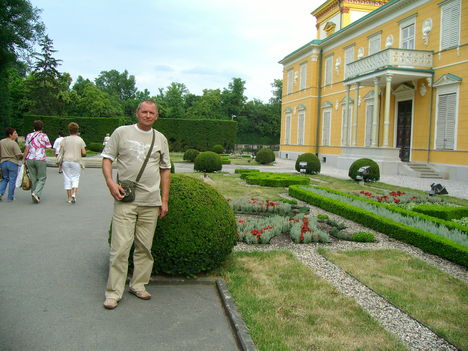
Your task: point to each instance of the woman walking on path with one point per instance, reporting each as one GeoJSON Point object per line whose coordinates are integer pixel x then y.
{"type": "Point", "coordinates": [9, 154]}
{"type": "Point", "coordinates": [71, 150]}
{"type": "Point", "coordinates": [35, 157]}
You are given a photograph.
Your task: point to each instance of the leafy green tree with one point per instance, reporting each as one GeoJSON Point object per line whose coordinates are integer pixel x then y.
{"type": "Point", "coordinates": [233, 98]}
{"type": "Point", "coordinates": [118, 84]}
{"type": "Point", "coordinates": [87, 100]}
{"type": "Point", "coordinates": [46, 86]}
{"type": "Point", "coordinates": [209, 105]}
{"type": "Point", "coordinates": [172, 100]}
{"type": "Point", "coordinates": [20, 28]}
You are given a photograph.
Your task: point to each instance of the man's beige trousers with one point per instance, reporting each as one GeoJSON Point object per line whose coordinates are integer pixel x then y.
{"type": "Point", "coordinates": [131, 224]}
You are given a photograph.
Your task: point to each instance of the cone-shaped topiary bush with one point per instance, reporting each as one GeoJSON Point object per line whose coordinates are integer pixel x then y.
{"type": "Point", "coordinates": [190, 155]}
{"type": "Point", "coordinates": [219, 149]}
{"type": "Point", "coordinates": [265, 155]}
{"type": "Point", "coordinates": [207, 161]}
{"type": "Point", "coordinates": [198, 232]}
{"type": "Point", "coordinates": [313, 163]}
{"type": "Point", "coordinates": [374, 173]}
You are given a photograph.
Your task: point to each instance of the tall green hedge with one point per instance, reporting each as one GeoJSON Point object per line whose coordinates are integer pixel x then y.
{"type": "Point", "coordinates": [199, 134]}
{"type": "Point", "coordinates": [182, 134]}
{"type": "Point", "coordinates": [92, 129]}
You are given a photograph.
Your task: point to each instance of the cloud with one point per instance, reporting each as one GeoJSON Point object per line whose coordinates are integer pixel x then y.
{"type": "Point", "coordinates": [163, 68]}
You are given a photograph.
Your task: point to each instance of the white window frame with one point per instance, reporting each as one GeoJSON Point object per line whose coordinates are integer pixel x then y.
{"type": "Point", "coordinates": [325, 123]}
{"type": "Point", "coordinates": [287, 128]}
{"type": "Point", "coordinates": [348, 57]}
{"type": "Point", "coordinates": [404, 24]}
{"type": "Point", "coordinates": [328, 74]}
{"type": "Point", "coordinates": [451, 89]}
{"type": "Point", "coordinates": [303, 76]}
{"type": "Point", "coordinates": [450, 21]}
{"type": "Point", "coordinates": [375, 43]}
{"type": "Point", "coordinates": [290, 81]}
{"type": "Point", "coordinates": [300, 126]}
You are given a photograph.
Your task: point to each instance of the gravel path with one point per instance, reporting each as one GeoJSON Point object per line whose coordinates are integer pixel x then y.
{"type": "Point", "coordinates": [415, 335]}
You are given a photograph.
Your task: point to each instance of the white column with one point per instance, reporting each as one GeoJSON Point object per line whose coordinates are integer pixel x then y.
{"type": "Point", "coordinates": [375, 116]}
{"type": "Point", "coordinates": [355, 116]}
{"type": "Point", "coordinates": [347, 117]}
{"type": "Point", "coordinates": [388, 89]}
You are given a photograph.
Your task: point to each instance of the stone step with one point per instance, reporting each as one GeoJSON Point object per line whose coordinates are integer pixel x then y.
{"type": "Point", "coordinates": [424, 171]}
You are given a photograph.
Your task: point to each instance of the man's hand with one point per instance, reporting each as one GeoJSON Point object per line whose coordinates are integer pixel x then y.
{"type": "Point", "coordinates": [163, 210]}
{"type": "Point", "coordinates": [116, 190]}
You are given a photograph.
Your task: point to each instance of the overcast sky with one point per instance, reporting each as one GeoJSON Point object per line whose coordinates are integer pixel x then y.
{"type": "Point", "coordinates": [201, 43]}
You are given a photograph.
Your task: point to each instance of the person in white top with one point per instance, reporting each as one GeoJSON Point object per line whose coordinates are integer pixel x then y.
{"type": "Point", "coordinates": [56, 148]}
{"type": "Point", "coordinates": [71, 150]}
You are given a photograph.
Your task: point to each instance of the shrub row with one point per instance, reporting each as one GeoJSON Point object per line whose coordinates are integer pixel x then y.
{"type": "Point", "coordinates": [443, 212]}
{"type": "Point", "coordinates": [424, 240]}
{"type": "Point", "coordinates": [92, 129]}
{"type": "Point", "coordinates": [199, 134]}
{"type": "Point", "coordinates": [275, 179]}
{"type": "Point", "coordinates": [402, 211]}
{"type": "Point", "coordinates": [242, 171]}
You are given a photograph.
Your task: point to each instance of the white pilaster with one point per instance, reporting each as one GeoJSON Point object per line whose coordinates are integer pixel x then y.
{"type": "Point", "coordinates": [375, 116]}
{"type": "Point", "coordinates": [388, 89]}
{"type": "Point", "coordinates": [355, 116]}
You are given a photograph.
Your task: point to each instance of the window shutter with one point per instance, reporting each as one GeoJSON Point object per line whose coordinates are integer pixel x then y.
{"type": "Point", "coordinates": [288, 129]}
{"type": "Point", "coordinates": [450, 122]}
{"type": "Point", "coordinates": [300, 129]}
{"type": "Point", "coordinates": [326, 127]}
{"type": "Point", "coordinates": [303, 75]}
{"type": "Point", "coordinates": [450, 25]}
{"type": "Point", "coordinates": [445, 139]}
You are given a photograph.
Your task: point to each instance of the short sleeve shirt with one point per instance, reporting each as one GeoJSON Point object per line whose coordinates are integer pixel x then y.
{"type": "Point", "coordinates": [71, 147]}
{"type": "Point", "coordinates": [8, 150]}
{"type": "Point", "coordinates": [127, 148]}
{"type": "Point", "coordinates": [56, 146]}
{"type": "Point", "coordinates": [38, 143]}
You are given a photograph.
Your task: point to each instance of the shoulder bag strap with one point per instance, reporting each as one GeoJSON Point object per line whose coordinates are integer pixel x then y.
{"type": "Point", "coordinates": [146, 159]}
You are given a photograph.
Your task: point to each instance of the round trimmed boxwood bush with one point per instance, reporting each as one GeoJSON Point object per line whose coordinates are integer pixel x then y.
{"type": "Point", "coordinates": [191, 155]}
{"type": "Point", "coordinates": [207, 161]}
{"type": "Point", "coordinates": [199, 231]}
{"type": "Point", "coordinates": [363, 237]}
{"type": "Point", "coordinates": [374, 173]}
{"type": "Point", "coordinates": [172, 167]}
{"type": "Point", "coordinates": [219, 149]}
{"type": "Point", "coordinates": [265, 155]}
{"type": "Point", "coordinates": [313, 163]}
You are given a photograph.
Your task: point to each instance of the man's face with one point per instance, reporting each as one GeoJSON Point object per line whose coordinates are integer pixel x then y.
{"type": "Point", "coordinates": [146, 115]}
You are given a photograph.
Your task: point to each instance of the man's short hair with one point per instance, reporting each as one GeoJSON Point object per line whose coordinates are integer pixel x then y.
{"type": "Point", "coordinates": [9, 131]}
{"type": "Point", "coordinates": [73, 127]}
{"type": "Point", "coordinates": [151, 102]}
{"type": "Point", "coordinates": [38, 125]}
{"type": "Point", "coordinates": [61, 134]}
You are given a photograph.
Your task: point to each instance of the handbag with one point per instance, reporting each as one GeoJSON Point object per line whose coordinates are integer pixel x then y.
{"type": "Point", "coordinates": [129, 185]}
{"type": "Point", "coordinates": [26, 180]}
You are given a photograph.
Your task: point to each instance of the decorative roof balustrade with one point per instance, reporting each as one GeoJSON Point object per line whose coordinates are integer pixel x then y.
{"type": "Point", "coordinates": [394, 58]}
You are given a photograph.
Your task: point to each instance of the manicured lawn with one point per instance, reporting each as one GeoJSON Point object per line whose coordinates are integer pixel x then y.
{"type": "Point", "coordinates": [426, 293]}
{"type": "Point", "coordinates": [287, 307]}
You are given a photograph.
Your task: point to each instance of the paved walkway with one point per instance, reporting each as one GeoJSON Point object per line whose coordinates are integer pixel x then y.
{"type": "Point", "coordinates": [53, 271]}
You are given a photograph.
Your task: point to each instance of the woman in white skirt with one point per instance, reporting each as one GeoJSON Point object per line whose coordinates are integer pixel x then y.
{"type": "Point", "coordinates": [72, 149]}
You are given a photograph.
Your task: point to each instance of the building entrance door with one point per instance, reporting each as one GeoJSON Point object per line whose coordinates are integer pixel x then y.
{"type": "Point", "coordinates": [404, 129]}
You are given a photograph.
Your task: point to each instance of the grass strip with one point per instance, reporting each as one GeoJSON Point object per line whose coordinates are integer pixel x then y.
{"type": "Point", "coordinates": [429, 295]}
{"type": "Point", "coordinates": [287, 307]}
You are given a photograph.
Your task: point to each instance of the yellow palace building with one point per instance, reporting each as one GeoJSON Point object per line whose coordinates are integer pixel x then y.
{"type": "Point", "coordinates": [386, 80]}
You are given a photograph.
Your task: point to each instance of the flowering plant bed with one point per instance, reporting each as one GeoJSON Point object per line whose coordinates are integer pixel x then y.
{"type": "Point", "coordinates": [399, 197]}
{"type": "Point", "coordinates": [304, 230]}
{"type": "Point", "coordinates": [382, 218]}
{"type": "Point", "coordinates": [256, 205]}
{"type": "Point", "coordinates": [261, 230]}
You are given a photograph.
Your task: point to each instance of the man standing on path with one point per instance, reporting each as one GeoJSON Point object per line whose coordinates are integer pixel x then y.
{"type": "Point", "coordinates": [135, 222]}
